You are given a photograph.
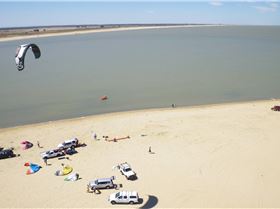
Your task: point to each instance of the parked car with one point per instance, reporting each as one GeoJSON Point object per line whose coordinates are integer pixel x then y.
{"type": "Point", "coordinates": [70, 151]}
{"type": "Point", "coordinates": [125, 197]}
{"type": "Point", "coordinates": [276, 108]}
{"type": "Point", "coordinates": [126, 170]}
{"type": "Point", "coordinates": [101, 183]}
{"type": "Point", "coordinates": [71, 143]}
{"type": "Point", "coordinates": [52, 153]}
{"type": "Point", "coordinates": [6, 153]}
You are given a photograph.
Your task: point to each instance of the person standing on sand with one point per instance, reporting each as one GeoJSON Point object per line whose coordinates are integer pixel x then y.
{"type": "Point", "coordinates": [38, 144]}
{"type": "Point", "coordinates": [94, 136]}
{"type": "Point", "coordinates": [45, 161]}
{"type": "Point", "coordinates": [150, 149]}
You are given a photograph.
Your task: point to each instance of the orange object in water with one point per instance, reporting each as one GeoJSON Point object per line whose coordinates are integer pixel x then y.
{"type": "Point", "coordinates": [104, 98]}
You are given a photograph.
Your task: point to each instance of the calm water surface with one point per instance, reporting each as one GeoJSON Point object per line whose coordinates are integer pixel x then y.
{"type": "Point", "coordinates": [138, 69]}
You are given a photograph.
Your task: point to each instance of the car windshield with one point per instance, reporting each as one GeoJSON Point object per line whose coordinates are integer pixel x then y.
{"type": "Point", "coordinates": [118, 194]}
{"type": "Point", "coordinates": [127, 169]}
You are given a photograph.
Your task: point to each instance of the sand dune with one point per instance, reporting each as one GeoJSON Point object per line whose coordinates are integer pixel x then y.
{"type": "Point", "coordinates": [207, 156]}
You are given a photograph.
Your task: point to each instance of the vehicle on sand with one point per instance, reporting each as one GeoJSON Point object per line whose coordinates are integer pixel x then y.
{"type": "Point", "coordinates": [276, 108]}
{"type": "Point", "coordinates": [124, 197]}
{"type": "Point", "coordinates": [52, 153]}
{"type": "Point", "coordinates": [6, 153]}
{"type": "Point", "coordinates": [101, 183]}
{"type": "Point", "coordinates": [71, 143]}
{"type": "Point", "coordinates": [126, 170]}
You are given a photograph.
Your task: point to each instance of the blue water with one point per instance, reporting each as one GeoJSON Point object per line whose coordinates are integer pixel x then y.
{"type": "Point", "coordinates": [137, 70]}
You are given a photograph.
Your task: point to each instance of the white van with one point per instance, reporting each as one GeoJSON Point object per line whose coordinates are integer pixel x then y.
{"type": "Point", "coordinates": [126, 197]}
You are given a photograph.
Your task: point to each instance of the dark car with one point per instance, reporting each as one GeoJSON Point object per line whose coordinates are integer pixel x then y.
{"type": "Point", "coordinates": [6, 153]}
{"type": "Point", "coordinates": [276, 108]}
{"type": "Point", "coordinates": [70, 151]}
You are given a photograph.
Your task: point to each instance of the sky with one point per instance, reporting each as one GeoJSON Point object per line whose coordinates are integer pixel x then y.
{"type": "Point", "coordinates": [41, 13]}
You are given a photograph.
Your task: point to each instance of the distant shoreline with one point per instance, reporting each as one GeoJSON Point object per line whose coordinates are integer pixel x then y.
{"type": "Point", "coordinates": [29, 33]}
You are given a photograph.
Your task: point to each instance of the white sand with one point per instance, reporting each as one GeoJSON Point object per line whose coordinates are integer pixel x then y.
{"type": "Point", "coordinates": [208, 156]}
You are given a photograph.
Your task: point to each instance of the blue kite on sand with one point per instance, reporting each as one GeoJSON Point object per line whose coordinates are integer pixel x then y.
{"type": "Point", "coordinates": [33, 168]}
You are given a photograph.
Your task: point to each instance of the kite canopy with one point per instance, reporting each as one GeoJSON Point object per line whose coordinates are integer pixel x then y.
{"type": "Point", "coordinates": [21, 52]}
{"type": "Point", "coordinates": [72, 177]}
{"type": "Point", "coordinates": [66, 170]}
{"type": "Point", "coordinates": [33, 168]}
{"type": "Point", "coordinates": [26, 145]}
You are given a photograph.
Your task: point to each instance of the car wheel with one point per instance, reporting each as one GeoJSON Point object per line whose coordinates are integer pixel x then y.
{"type": "Point", "coordinates": [131, 202]}
{"type": "Point", "coordinates": [113, 202]}
{"type": "Point", "coordinates": [107, 187]}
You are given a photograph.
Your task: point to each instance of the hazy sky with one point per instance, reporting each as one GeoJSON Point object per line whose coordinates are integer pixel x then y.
{"type": "Point", "coordinates": [23, 13]}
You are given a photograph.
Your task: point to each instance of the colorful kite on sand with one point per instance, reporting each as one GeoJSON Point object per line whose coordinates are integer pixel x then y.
{"type": "Point", "coordinates": [33, 168]}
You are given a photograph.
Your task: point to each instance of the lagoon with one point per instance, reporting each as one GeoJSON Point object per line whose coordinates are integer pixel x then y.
{"type": "Point", "coordinates": [138, 69]}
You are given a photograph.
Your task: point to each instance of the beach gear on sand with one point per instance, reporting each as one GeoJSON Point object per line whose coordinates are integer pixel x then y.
{"type": "Point", "coordinates": [26, 145]}
{"type": "Point", "coordinates": [21, 52]}
{"type": "Point", "coordinates": [33, 168]}
{"type": "Point", "coordinates": [72, 177]}
{"type": "Point", "coordinates": [117, 139]}
{"type": "Point", "coordinates": [66, 170]}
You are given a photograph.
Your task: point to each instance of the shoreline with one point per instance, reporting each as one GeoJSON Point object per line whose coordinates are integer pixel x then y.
{"type": "Point", "coordinates": [88, 31]}
{"type": "Point", "coordinates": [125, 112]}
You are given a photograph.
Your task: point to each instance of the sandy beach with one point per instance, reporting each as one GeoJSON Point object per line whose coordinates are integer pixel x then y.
{"type": "Point", "coordinates": [223, 155]}
{"type": "Point", "coordinates": [60, 32]}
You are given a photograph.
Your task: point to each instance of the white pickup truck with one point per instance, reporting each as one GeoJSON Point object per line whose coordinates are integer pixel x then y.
{"type": "Point", "coordinates": [126, 170]}
{"type": "Point", "coordinates": [124, 197]}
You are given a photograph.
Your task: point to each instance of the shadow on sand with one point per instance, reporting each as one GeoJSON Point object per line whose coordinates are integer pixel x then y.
{"type": "Point", "coordinates": [151, 202]}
